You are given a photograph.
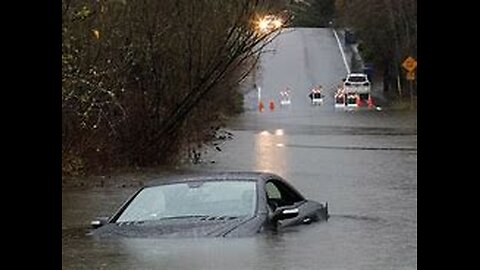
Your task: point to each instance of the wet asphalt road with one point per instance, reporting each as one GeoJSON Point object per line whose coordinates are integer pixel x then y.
{"type": "Point", "coordinates": [364, 163]}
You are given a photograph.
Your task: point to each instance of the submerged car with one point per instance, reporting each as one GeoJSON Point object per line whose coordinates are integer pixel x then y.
{"type": "Point", "coordinates": [229, 204]}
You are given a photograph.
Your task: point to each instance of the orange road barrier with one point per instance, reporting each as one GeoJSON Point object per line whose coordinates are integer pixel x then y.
{"type": "Point", "coordinates": [271, 105]}
{"type": "Point", "coordinates": [260, 106]}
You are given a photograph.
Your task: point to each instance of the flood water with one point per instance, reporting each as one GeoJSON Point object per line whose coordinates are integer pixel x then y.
{"type": "Point", "coordinates": [364, 163]}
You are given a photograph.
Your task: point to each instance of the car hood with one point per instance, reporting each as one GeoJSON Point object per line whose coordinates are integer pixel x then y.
{"type": "Point", "coordinates": [192, 227]}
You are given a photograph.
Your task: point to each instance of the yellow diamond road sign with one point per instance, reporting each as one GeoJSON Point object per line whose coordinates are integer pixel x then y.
{"type": "Point", "coordinates": [409, 64]}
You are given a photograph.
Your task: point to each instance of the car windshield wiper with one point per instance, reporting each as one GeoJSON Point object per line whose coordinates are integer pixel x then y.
{"type": "Point", "coordinates": [202, 217]}
{"type": "Point", "coordinates": [159, 219]}
{"type": "Point", "coordinates": [185, 216]}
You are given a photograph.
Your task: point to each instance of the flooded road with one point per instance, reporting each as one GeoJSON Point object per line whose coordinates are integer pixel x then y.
{"type": "Point", "coordinates": [364, 163]}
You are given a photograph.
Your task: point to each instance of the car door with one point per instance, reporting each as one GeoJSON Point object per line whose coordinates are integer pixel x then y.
{"type": "Point", "coordinates": [279, 193]}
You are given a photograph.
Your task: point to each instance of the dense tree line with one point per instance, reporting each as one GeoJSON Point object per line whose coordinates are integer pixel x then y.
{"type": "Point", "coordinates": [313, 13]}
{"type": "Point", "coordinates": [387, 30]}
{"type": "Point", "coordinates": [146, 82]}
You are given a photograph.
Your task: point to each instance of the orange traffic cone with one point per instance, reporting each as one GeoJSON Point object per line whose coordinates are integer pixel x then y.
{"type": "Point", "coordinates": [370, 101]}
{"type": "Point", "coordinates": [358, 101]}
{"type": "Point", "coordinates": [271, 105]}
{"type": "Point", "coordinates": [260, 106]}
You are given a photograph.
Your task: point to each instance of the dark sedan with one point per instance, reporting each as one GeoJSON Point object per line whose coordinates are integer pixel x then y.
{"type": "Point", "coordinates": [217, 205]}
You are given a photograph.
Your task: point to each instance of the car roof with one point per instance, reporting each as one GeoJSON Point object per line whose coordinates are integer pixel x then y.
{"type": "Point", "coordinates": [214, 176]}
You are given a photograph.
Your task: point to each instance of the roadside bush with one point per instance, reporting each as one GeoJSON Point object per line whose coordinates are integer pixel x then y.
{"type": "Point", "coordinates": [145, 82]}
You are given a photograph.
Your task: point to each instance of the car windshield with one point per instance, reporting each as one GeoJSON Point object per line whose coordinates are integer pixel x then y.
{"type": "Point", "coordinates": [192, 199]}
{"type": "Point", "coordinates": [357, 79]}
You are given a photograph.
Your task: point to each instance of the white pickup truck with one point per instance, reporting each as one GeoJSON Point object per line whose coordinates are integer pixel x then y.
{"type": "Point", "coordinates": [357, 83]}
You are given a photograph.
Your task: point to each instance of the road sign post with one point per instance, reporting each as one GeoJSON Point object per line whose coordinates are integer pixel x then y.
{"type": "Point", "coordinates": [411, 75]}
{"type": "Point", "coordinates": [410, 64]}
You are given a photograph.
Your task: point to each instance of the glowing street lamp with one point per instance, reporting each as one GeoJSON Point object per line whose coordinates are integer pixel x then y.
{"type": "Point", "coordinates": [268, 24]}
{"type": "Point", "coordinates": [263, 25]}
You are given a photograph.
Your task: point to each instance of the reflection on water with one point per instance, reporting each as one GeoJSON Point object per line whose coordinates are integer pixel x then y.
{"type": "Point", "coordinates": [270, 152]}
{"type": "Point", "coordinates": [279, 132]}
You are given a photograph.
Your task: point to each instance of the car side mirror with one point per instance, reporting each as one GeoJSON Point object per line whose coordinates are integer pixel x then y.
{"type": "Point", "coordinates": [284, 212]}
{"type": "Point", "coordinates": [99, 222]}
{"type": "Point", "coordinates": [344, 79]}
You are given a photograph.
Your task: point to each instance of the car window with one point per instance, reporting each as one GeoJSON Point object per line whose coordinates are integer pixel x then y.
{"type": "Point", "coordinates": [272, 191]}
{"type": "Point", "coordinates": [279, 194]}
{"type": "Point", "coordinates": [209, 198]}
{"type": "Point", "coordinates": [147, 203]}
{"type": "Point", "coordinates": [357, 79]}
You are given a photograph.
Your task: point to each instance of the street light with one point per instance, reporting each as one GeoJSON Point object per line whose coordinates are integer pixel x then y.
{"type": "Point", "coordinates": [268, 24]}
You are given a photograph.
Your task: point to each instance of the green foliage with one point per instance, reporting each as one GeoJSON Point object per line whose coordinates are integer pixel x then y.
{"type": "Point", "coordinates": [82, 14]}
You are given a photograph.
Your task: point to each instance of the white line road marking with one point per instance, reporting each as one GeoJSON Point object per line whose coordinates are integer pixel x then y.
{"type": "Point", "coordinates": [341, 51]}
